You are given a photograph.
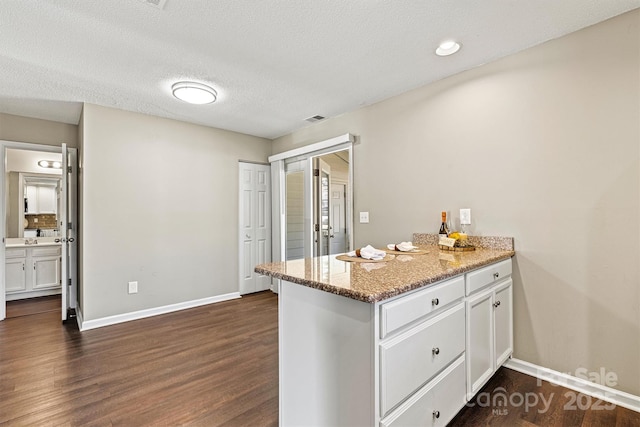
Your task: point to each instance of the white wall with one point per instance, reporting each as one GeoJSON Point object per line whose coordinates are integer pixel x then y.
{"type": "Point", "coordinates": [544, 146]}
{"type": "Point", "coordinates": [159, 206]}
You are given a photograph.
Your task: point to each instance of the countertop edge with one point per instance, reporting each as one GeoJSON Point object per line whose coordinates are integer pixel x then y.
{"type": "Point", "coordinates": [374, 298]}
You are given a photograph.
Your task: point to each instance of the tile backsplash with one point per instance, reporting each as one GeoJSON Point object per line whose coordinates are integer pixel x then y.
{"type": "Point", "coordinates": [45, 221]}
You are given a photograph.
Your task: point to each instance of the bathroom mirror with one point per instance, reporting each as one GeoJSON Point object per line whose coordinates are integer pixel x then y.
{"type": "Point", "coordinates": [32, 194]}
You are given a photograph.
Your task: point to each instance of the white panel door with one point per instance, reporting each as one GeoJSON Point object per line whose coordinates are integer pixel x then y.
{"type": "Point", "coordinates": [255, 225]}
{"type": "Point", "coordinates": [64, 220]}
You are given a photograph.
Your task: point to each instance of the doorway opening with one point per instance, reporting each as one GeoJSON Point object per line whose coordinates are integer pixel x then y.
{"type": "Point", "coordinates": [38, 251]}
{"type": "Point", "coordinates": [330, 189]}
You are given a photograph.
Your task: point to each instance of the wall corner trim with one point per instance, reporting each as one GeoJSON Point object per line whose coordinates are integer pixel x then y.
{"type": "Point", "coordinates": [598, 391]}
{"type": "Point", "coordinates": [141, 314]}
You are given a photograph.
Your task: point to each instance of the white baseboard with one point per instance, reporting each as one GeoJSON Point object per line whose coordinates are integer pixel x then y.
{"type": "Point", "coordinates": [141, 314]}
{"type": "Point", "coordinates": [607, 394]}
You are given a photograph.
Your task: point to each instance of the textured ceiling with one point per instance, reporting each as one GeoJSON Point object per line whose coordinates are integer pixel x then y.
{"type": "Point", "coordinates": [273, 62]}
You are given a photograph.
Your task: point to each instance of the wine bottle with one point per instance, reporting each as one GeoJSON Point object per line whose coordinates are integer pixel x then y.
{"type": "Point", "coordinates": [444, 229]}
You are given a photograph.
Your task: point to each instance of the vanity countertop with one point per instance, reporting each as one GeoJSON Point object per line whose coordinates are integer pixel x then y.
{"type": "Point", "coordinates": [21, 242]}
{"type": "Point", "coordinates": [377, 281]}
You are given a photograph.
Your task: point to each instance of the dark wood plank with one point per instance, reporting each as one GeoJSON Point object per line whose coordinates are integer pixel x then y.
{"type": "Point", "coordinates": [29, 306]}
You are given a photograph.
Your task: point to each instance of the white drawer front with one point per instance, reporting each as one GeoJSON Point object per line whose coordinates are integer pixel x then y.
{"type": "Point", "coordinates": [485, 276]}
{"type": "Point", "coordinates": [434, 405]}
{"type": "Point", "coordinates": [410, 360]}
{"type": "Point", "coordinates": [51, 251]}
{"type": "Point", "coordinates": [15, 253]}
{"type": "Point", "coordinates": [398, 313]}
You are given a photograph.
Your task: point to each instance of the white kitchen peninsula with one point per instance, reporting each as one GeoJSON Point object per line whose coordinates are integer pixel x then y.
{"type": "Point", "coordinates": [396, 343]}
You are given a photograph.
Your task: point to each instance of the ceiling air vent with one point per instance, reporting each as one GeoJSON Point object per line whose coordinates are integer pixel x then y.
{"type": "Point", "coordinates": [314, 119]}
{"type": "Point", "coordinates": [158, 4]}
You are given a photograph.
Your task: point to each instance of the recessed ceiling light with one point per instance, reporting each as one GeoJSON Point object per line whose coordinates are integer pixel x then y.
{"type": "Point", "coordinates": [194, 93]}
{"type": "Point", "coordinates": [447, 48]}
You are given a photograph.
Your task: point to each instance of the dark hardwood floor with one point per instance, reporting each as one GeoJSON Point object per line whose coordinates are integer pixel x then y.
{"type": "Point", "coordinates": [27, 307]}
{"type": "Point", "coordinates": [215, 365]}
{"type": "Point", "coordinates": [529, 402]}
{"type": "Point", "coordinates": [210, 366]}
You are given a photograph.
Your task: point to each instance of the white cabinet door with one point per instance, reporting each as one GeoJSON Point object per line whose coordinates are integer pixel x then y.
{"type": "Point", "coordinates": [479, 341]}
{"type": "Point", "coordinates": [46, 272]}
{"type": "Point", "coordinates": [15, 275]}
{"type": "Point", "coordinates": [32, 199]}
{"type": "Point", "coordinates": [503, 322]}
{"type": "Point", "coordinates": [489, 333]}
{"type": "Point", "coordinates": [47, 200]}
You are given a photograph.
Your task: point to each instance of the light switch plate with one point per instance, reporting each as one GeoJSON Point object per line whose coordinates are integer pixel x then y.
{"type": "Point", "coordinates": [364, 217]}
{"type": "Point", "coordinates": [465, 216]}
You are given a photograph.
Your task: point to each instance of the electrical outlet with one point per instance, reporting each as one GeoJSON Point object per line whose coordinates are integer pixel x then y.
{"type": "Point", "coordinates": [364, 217]}
{"type": "Point", "coordinates": [133, 287]}
{"type": "Point", "coordinates": [465, 216]}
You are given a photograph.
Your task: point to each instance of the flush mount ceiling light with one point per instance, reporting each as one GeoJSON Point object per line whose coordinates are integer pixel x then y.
{"type": "Point", "coordinates": [447, 48]}
{"type": "Point", "coordinates": [194, 93]}
{"type": "Point", "coordinates": [50, 164]}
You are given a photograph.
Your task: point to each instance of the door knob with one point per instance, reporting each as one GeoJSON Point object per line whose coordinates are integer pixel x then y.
{"type": "Point", "coordinates": [435, 301]}
{"type": "Point", "coordinates": [436, 414]}
{"type": "Point", "coordinates": [71, 240]}
{"type": "Point", "coordinates": [435, 350]}
{"type": "Point", "coordinates": [247, 236]}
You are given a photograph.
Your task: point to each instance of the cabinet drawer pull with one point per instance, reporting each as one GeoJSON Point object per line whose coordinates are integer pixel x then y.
{"type": "Point", "coordinates": [496, 304]}
{"type": "Point", "coordinates": [435, 301]}
{"type": "Point", "coordinates": [23, 266]}
{"type": "Point", "coordinates": [435, 350]}
{"type": "Point", "coordinates": [436, 414]}
{"type": "Point", "coordinates": [496, 275]}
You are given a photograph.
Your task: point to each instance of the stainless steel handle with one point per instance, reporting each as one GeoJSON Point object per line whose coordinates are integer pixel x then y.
{"type": "Point", "coordinates": [435, 350]}
{"type": "Point", "coordinates": [435, 301]}
{"type": "Point", "coordinates": [496, 275]}
{"type": "Point", "coordinates": [436, 414]}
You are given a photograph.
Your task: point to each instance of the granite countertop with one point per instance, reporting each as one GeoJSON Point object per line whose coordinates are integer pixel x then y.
{"type": "Point", "coordinates": [374, 282]}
